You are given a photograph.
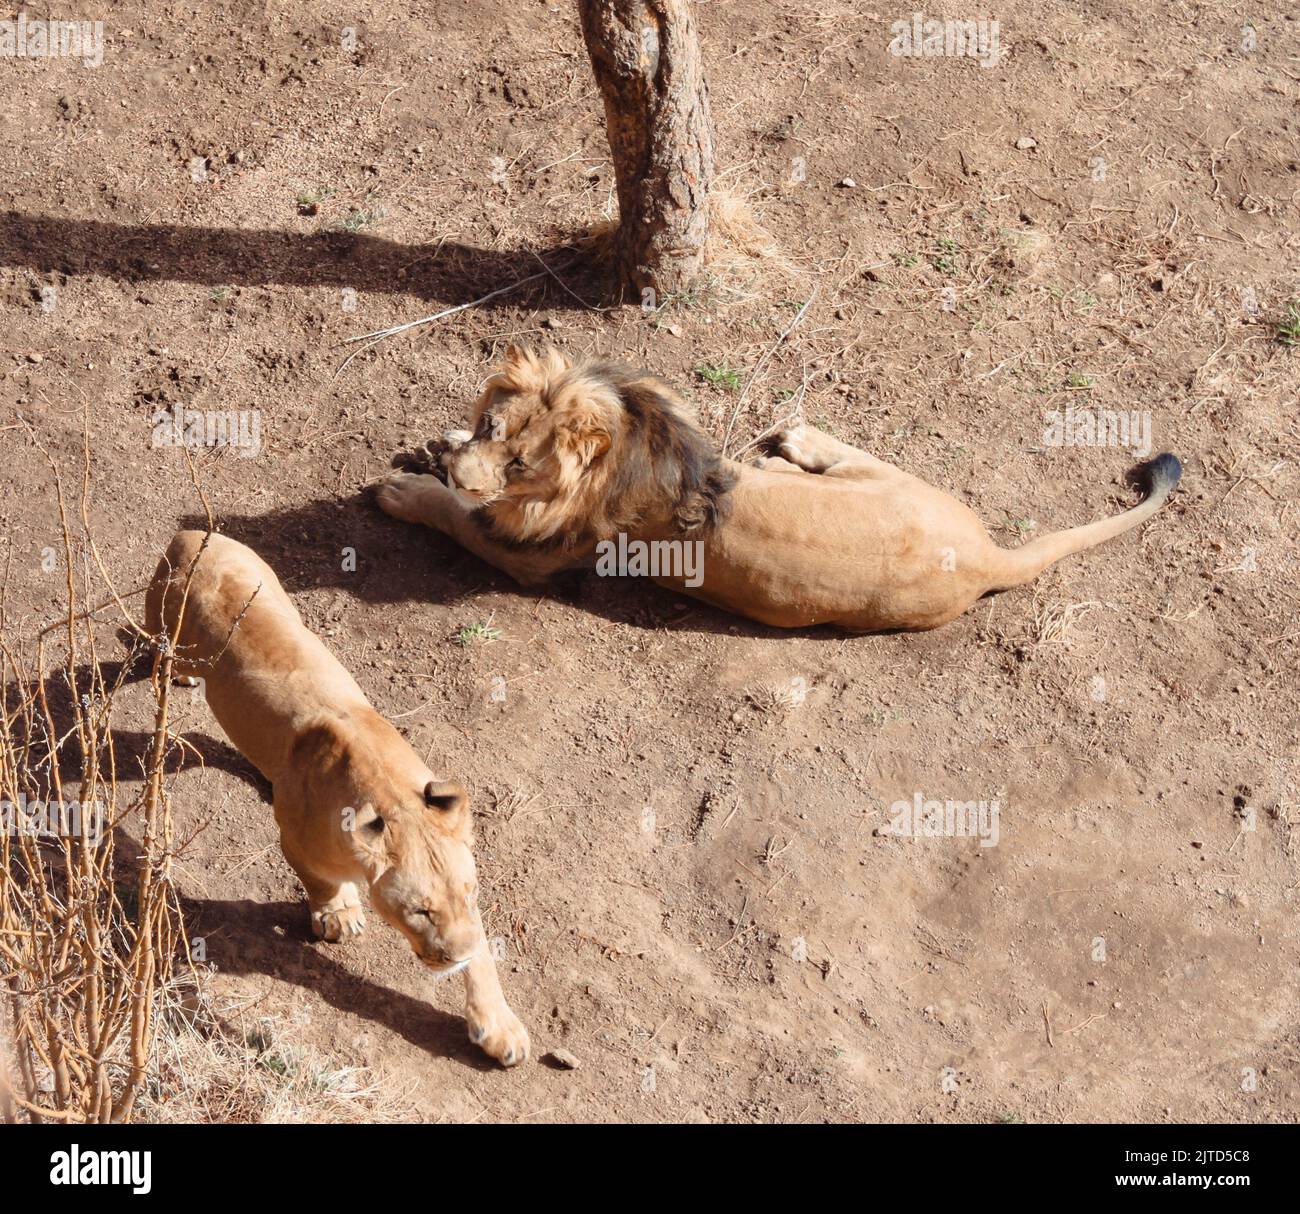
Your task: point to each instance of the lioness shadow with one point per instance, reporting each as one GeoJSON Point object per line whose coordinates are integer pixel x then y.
{"type": "Point", "coordinates": [131, 748]}
{"type": "Point", "coordinates": [352, 546]}
{"type": "Point", "coordinates": [242, 937]}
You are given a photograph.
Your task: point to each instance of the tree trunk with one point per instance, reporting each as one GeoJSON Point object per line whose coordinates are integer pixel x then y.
{"type": "Point", "coordinates": [646, 59]}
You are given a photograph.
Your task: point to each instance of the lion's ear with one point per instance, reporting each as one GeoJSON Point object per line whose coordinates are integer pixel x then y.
{"type": "Point", "coordinates": [587, 438]}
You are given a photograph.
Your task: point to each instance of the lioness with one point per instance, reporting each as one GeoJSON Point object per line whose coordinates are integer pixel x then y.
{"type": "Point", "coordinates": [353, 801]}
{"type": "Point", "coordinates": [564, 459]}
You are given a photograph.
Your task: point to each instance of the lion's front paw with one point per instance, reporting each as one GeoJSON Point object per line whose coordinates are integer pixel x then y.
{"type": "Point", "coordinates": [500, 1034]}
{"type": "Point", "coordinates": [431, 458]}
{"type": "Point", "coordinates": [335, 925]}
{"type": "Point", "coordinates": [405, 495]}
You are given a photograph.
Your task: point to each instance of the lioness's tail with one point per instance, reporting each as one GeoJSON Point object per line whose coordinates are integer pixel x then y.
{"type": "Point", "coordinates": [1019, 565]}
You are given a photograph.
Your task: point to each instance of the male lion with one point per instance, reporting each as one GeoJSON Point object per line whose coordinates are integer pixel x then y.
{"type": "Point", "coordinates": [353, 801]}
{"type": "Point", "coordinates": [564, 459]}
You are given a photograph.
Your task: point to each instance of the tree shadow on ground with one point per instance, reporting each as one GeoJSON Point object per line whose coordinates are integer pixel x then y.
{"type": "Point", "coordinates": [444, 270]}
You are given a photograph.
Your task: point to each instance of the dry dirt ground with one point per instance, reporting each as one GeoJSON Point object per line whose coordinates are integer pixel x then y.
{"type": "Point", "coordinates": [204, 218]}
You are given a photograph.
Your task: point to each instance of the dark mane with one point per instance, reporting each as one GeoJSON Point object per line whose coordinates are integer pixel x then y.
{"type": "Point", "coordinates": [663, 460]}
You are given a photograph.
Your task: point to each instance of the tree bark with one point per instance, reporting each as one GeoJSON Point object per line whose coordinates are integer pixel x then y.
{"type": "Point", "coordinates": [646, 60]}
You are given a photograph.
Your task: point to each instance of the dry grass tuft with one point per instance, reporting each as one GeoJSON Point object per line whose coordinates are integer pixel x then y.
{"type": "Point", "coordinates": [210, 1072]}
{"type": "Point", "coordinates": [739, 247]}
{"type": "Point", "coordinates": [773, 697]}
{"type": "Point", "coordinates": [1054, 623]}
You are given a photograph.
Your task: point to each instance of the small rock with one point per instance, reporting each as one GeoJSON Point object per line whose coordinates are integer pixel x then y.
{"type": "Point", "coordinates": [847, 183]}
{"type": "Point", "coordinates": [1024, 143]}
{"type": "Point", "coordinates": [562, 1060]}
{"type": "Point", "coordinates": [550, 323]}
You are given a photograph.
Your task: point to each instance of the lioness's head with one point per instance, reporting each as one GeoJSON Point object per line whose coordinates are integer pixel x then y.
{"type": "Point", "coordinates": [564, 453]}
{"type": "Point", "coordinates": [428, 887]}
{"type": "Point", "coordinates": [408, 831]}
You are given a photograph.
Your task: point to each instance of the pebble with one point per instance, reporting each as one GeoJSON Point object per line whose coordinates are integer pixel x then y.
{"type": "Point", "coordinates": [1024, 143]}
{"type": "Point", "coordinates": [562, 1059]}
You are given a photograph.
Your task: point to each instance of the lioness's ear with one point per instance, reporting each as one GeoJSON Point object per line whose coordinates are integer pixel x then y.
{"type": "Point", "coordinates": [445, 795]}
{"type": "Point", "coordinates": [321, 747]}
{"type": "Point", "coordinates": [448, 798]}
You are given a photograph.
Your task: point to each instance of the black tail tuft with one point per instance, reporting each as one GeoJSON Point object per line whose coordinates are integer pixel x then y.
{"type": "Point", "coordinates": [1158, 477]}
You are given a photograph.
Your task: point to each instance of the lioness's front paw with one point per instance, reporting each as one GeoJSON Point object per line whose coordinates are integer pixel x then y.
{"type": "Point", "coordinates": [500, 1034]}
{"type": "Point", "coordinates": [335, 925]}
{"type": "Point", "coordinates": [404, 494]}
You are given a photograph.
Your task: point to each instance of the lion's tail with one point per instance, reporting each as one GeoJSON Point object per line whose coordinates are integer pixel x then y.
{"type": "Point", "coordinates": [1016, 566]}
